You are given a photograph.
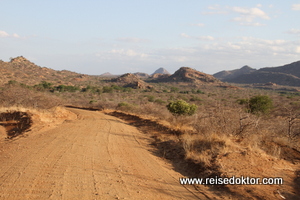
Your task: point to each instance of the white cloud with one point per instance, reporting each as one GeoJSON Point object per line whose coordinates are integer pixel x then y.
{"type": "Point", "coordinates": [246, 16]}
{"type": "Point", "coordinates": [216, 10]}
{"type": "Point", "coordinates": [127, 52]}
{"type": "Point", "coordinates": [296, 7]}
{"type": "Point", "coordinates": [214, 7]}
{"type": "Point", "coordinates": [247, 21]}
{"type": "Point", "coordinates": [251, 13]}
{"type": "Point", "coordinates": [298, 49]}
{"type": "Point", "coordinates": [199, 24]}
{"type": "Point", "coordinates": [132, 40]}
{"type": "Point", "coordinates": [15, 35]}
{"type": "Point", "coordinates": [294, 31]}
{"type": "Point", "coordinates": [185, 35]}
{"type": "Point", "coordinates": [3, 34]}
{"type": "Point", "coordinates": [206, 38]}
{"type": "Point", "coordinates": [234, 46]}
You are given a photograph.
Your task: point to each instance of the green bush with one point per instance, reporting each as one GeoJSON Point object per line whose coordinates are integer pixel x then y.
{"type": "Point", "coordinates": [260, 104]}
{"type": "Point", "coordinates": [181, 107]}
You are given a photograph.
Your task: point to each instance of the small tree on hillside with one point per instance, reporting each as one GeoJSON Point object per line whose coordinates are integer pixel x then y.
{"type": "Point", "coordinates": [260, 104]}
{"type": "Point", "coordinates": [181, 107]}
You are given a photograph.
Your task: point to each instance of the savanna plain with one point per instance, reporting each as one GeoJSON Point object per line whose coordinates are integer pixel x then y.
{"type": "Point", "coordinates": [65, 135]}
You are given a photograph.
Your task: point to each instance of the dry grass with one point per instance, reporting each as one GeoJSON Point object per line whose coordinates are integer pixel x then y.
{"type": "Point", "coordinates": [23, 97]}
{"type": "Point", "coordinates": [204, 149]}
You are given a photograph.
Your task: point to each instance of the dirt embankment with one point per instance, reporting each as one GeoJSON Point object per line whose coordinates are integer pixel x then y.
{"type": "Point", "coordinates": [15, 122]}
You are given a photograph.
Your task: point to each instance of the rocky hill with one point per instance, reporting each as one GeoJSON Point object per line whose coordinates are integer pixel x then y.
{"type": "Point", "coordinates": [142, 75]}
{"type": "Point", "coordinates": [267, 77]}
{"type": "Point", "coordinates": [225, 75]}
{"type": "Point", "coordinates": [22, 70]}
{"type": "Point", "coordinates": [186, 74]}
{"type": "Point", "coordinates": [160, 71]}
{"type": "Point", "coordinates": [131, 80]}
{"type": "Point", "coordinates": [283, 75]}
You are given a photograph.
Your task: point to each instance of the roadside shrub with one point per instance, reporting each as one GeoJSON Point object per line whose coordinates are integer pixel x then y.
{"type": "Point", "coordinates": [181, 107]}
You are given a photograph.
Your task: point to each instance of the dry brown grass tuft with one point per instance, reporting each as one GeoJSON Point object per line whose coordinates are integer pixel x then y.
{"type": "Point", "coordinates": [206, 148]}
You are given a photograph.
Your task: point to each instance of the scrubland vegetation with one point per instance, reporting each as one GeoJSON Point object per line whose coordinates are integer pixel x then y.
{"type": "Point", "coordinates": [208, 110]}
{"type": "Point", "coordinates": [213, 121]}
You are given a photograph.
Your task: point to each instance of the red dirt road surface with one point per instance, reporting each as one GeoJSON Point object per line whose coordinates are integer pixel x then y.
{"type": "Point", "coordinates": [95, 156]}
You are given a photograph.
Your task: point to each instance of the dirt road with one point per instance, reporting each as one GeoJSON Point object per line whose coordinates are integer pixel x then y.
{"type": "Point", "coordinates": [93, 157]}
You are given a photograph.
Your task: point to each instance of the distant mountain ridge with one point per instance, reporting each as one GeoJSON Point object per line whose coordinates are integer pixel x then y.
{"type": "Point", "coordinates": [292, 69]}
{"type": "Point", "coordinates": [288, 74]}
{"type": "Point", "coordinates": [160, 71]}
{"type": "Point", "coordinates": [107, 74]}
{"type": "Point", "coordinates": [225, 75]}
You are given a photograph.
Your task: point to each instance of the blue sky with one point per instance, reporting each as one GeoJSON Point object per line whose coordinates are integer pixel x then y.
{"type": "Point", "coordinates": [97, 36]}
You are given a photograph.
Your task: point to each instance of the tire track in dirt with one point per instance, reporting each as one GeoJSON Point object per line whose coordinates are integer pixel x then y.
{"type": "Point", "coordinates": [94, 157]}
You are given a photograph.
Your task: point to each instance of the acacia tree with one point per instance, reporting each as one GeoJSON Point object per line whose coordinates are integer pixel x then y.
{"type": "Point", "coordinates": [260, 104]}
{"type": "Point", "coordinates": [181, 107]}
